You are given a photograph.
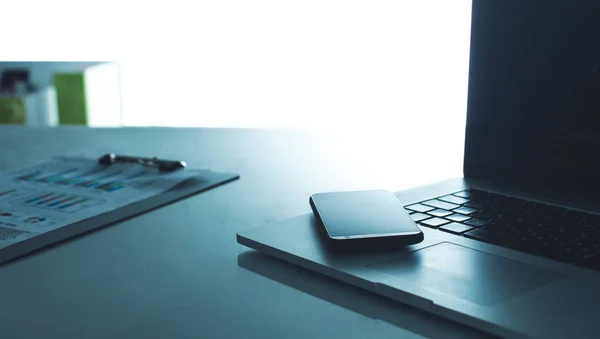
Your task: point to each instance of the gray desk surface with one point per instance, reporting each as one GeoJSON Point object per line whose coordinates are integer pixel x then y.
{"type": "Point", "coordinates": [177, 272]}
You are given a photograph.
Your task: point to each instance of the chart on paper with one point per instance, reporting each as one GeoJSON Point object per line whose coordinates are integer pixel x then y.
{"type": "Point", "coordinates": [62, 191]}
{"type": "Point", "coordinates": [103, 178]}
{"type": "Point", "coordinates": [13, 218]}
{"type": "Point", "coordinates": [8, 193]}
{"type": "Point", "coordinates": [57, 201]}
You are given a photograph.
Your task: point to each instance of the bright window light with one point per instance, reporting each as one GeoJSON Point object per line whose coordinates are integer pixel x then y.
{"type": "Point", "coordinates": [323, 63]}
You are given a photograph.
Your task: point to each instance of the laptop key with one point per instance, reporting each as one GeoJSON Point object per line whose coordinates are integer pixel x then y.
{"type": "Point", "coordinates": [419, 208]}
{"type": "Point", "coordinates": [463, 194]}
{"type": "Point", "coordinates": [548, 231]}
{"type": "Point", "coordinates": [482, 234]}
{"type": "Point", "coordinates": [456, 228]}
{"type": "Point", "coordinates": [454, 199]}
{"type": "Point", "coordinates": [464, 210]}
{"type": "Point", "coordinates": [476, 222]}
{"type": "Point", "coordinates": [439, 213]}
{"type": "Point", "coordinates": [481, 215]}
{"type": "Point", "coordinates": [473, 204]}
{"type": "Point", "coordinates": [440, 204]}
{"type": "Point", "coordinates": [416, 217]}
{"type": "Point", "coordinates": [434, 222]}
{"type": "Point", "coordinates": [458, 217]}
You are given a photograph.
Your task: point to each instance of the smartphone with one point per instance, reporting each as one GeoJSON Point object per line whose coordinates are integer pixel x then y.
{"type": "Point", "coordinates": [363, 220]}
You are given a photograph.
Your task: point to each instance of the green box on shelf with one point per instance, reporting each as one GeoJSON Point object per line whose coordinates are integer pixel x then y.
{"type": "Point", "coordinates": [36, 109]}
{"type": "Point", "coordinates": [70, 98]}
{"type": "Point", "coordinates": [12, 110]}
{"type": "Point", "coordinates": [90, 96]}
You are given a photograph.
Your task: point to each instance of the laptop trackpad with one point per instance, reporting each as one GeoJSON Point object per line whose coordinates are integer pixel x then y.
{"type": "Point", "coordinates": [462, 272]}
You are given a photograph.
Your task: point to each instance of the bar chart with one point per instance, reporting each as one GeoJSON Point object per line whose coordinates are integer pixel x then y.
{"type": "Point", "coordinates": [99, 180]}
{"type": "Point", "coordinates": [118, 183]}
{"type": "Point", "coordinates": [55, 176]}
{"type": "Point", "coordinates": [11, 193]}
{"type": "Point", "coordinates": [104, 178]}
{"type": "Point", "coordinates": [29, 176]}
{"type": "Point", "coordinates": [80, 176]}
{"type": "Point", "coordinates": [8, 192]}
{"type": "Point", "coordinates": [61, 202]}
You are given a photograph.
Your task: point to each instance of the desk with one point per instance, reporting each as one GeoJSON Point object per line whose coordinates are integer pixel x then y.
{"type": "Point", "coordinates": [177, 272]}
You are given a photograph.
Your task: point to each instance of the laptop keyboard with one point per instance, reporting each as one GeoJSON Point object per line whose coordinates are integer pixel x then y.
{"type": "Point", "coordinates": [548, 231]}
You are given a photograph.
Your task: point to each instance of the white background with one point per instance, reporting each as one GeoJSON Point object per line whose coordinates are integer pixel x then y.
{"type": "Point", "coordinates": [264, 63]}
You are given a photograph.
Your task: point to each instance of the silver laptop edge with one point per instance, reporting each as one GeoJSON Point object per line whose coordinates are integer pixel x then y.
{"type": "Point", "coordinates": [559, 306]}
{"type": "Point", "coordinates": [532, 125]}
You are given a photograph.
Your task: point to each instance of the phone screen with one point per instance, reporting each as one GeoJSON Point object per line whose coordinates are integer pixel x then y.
{"type": "Point", "coordinates": [362, 214]}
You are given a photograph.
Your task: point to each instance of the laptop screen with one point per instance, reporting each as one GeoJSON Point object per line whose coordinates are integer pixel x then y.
{"type": "Point", "coordinates": [533, 115]}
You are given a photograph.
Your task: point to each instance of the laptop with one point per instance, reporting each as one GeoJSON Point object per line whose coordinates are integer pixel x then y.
{"type": "Point", "coordinates": [513, 247]}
